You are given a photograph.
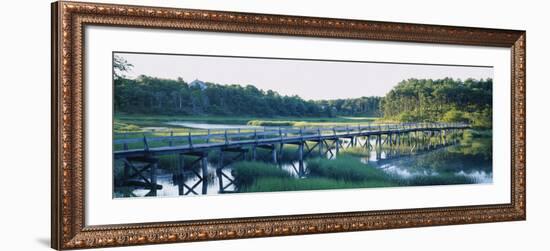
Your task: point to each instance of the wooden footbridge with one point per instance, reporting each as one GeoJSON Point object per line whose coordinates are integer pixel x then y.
{"type": "Point", "coordinates": [139, 154]}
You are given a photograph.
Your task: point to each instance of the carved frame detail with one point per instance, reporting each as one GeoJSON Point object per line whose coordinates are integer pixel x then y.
{"type": "Point", "coordinates": [68, 22]}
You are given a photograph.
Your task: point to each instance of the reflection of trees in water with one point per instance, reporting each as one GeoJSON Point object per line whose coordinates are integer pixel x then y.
{"type": "Point", "coordinates": [472, 154]}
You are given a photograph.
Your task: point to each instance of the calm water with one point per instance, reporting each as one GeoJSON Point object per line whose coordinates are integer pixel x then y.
{"type": "Point", "coordinates": [469, 158]}
{"type": "Point", "coordinates": [206, 126]}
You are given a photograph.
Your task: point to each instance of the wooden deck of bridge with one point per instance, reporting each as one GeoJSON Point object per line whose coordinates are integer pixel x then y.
{"type": "Point", "coordinates": [269, 137]}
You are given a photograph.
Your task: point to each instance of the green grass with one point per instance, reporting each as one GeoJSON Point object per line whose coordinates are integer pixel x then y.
{"type": "Point", "coordinates": [355, 151]}
{"type": "Point", "coordinates": [346, 168]}
{"type": "Point", "coordinates": [271, 184]}
{"type": "Point", "coordinates": [247, 172]}
{"type": "Point", "coordinates": [160, 120]}
{"type": "Point", "coordinates": [440, 179]}
{"type": "Point", "coordinates": [270, 123]}
{"type": "Point", "coordinates": [125, 127]}
{"type": "Point", "coordinates": [310, 122]}
{"type": "Point", "coordinates": [352, 170]}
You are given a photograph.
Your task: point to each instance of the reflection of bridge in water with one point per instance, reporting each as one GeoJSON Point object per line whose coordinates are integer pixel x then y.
{"type": "Point", "coordinates": [326, 141]}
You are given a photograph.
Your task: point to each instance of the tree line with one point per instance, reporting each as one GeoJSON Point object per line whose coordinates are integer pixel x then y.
{"type": "Point", "coordinates": [150, 95]}
{"type": "Point", "coordinates": [412, 100]}
{"type": "Point", "coordinates": [447, 100]}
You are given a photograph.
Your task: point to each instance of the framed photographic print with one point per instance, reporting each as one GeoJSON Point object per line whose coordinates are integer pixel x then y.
{"type": "Point", "coordinates": [176, 125]}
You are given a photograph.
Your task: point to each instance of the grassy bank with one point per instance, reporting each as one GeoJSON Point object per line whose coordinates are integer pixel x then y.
{"type": "Point", "coordinates": [129, 123]}
{"type": "Point", "coordinates": [247, 172]}
{"type": "Point", "coordinates": [278, 184]}
{"type": "Point", "coordinates": [347, 169]}
{"type": "Point", "coordinates": [324, 174]}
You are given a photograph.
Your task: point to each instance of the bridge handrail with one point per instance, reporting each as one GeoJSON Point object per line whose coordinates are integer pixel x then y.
{"type": "Point", "coordinates": [280, 132]}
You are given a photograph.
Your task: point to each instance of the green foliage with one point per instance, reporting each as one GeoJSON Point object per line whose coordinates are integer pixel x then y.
{"type": "Point", "coordinates": [439, 179]}
{"type": "Point", "coordinates": [149, 95]}
{"type": "Point", "coordinates": [355, 151]}
{"type": "Point", "coordinates": [409, 116]}
{"type": "Point", "coordinates": [246, 172]}
{"type": "Point", "coordinates": [345, 168]}
{"type": "Point", "coordinates": [449, 100]}
{"type": "Point", "coordinates": [288, 184]}
{"type": "Point", "coordinates": [481, 119]}
{"type": "Point", "coordinates": [124, 127]}
{"type": "Point", "coordinates": [455, 116]}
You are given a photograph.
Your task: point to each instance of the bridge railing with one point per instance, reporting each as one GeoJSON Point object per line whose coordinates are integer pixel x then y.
{"type": "Point", "coordinates": [125, 141]}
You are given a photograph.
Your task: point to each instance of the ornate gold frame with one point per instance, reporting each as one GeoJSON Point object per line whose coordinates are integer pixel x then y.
{"type": "Point", "coordinates": [68, 228]}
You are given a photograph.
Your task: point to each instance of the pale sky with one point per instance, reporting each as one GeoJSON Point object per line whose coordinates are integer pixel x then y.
{"type": "Point", "coordinates": [305, 78]}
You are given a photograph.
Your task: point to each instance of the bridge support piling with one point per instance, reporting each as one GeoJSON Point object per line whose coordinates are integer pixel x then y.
{"type": "Point", "coordinates": [254, 152]}
{"type": "Point", "coordinates": [320, 148]}
{"type": "Point", "coordinates": [219, 170]}
{"type": "Point", "coordinates": [204, 167]}
{"type": "Point", "coordinates": [153, 175]}
{"type": "Point", "coordinates": [301, 159]}
{"type": "Point", "coordinates": [281, 148]}
{"type": "Point", "coordinates": [181, 165]}
{"type": "Point", "coordinates": [126, 174]}
{"type": "Point", "coordinates": [274, 154]}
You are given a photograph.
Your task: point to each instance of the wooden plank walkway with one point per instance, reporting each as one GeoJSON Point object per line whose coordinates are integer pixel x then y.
{"type": "Point", "coordinates": [269, 137]}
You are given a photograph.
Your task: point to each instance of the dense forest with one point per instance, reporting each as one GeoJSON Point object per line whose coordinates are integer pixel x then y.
{"type": "Point", "coordinates": [412, 100]}
{"type": "Point", "coordinates": [148, 95]}
{"type": "Point", "coordinates": [440, 100]}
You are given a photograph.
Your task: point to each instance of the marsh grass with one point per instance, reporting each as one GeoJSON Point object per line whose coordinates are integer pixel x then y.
{"type": "Point", "coordinates": [271, 184]}
{"type": "Point", "coordinates": [160, 120]}
{"type": "Point", "coordinates": [352, 170]}
{"type": "Point", "coordinates": [247, 172]}
{"type": "Point", "coordinates": [346, 168]}
{"type": "Point", "coordinates": [355, 151]}
{"type": "Point", "coordinates": [440, 179]}
{"type": "Point", "coordinates": [308, 122]}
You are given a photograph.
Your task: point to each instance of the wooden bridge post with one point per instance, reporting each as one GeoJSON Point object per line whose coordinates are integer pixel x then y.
{"type": "Point", "coordinates": [281, 148]}
{"type": "Point", "coordinates": [219, 170]}
{"type": "Point", "coordinates": [181, 173]}
{"type": "Point", "coordinates": [225, 137]}
{"type": "Point", "coordinates": [398, 138]}
{"type": "Point", "coordinates": [145, 143]}
{"type": "Point", "coordinates": [190, 140]}
{"type": "Point", "coordinates": [153, 178]}
{"type": "Point", "coordinates": [126, 174]}
{"type": "Point", "coordinates": [254, 152]}
{"type": "Point", "coordinates": [301, 159]}
{"type": "Point", "coordinates": [125, 145]}
{"type": "Point", "coordinates": [204, 166]}
{"type": "Point", "coordinates": [320, 144]}
{"type": "Point", "coordinates": [171, 138]}
{"type": "Point", "coordinates": [274, 154]}
{"type": "Point", "coordinates": [336, 140]}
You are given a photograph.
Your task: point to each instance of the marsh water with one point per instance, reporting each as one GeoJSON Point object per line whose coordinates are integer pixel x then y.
{"type": "Point", "coordinates": [465, 160]}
